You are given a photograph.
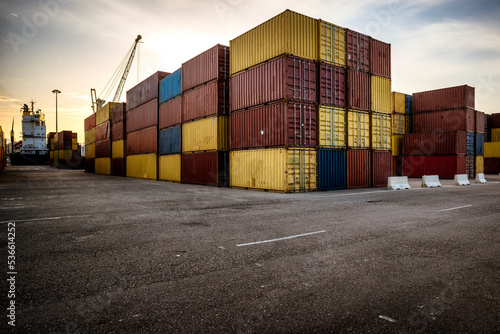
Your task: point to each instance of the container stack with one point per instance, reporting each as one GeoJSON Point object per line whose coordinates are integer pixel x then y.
{"type": "Point", "coordinates": [118, 143]}
{"type": "Point", "coordinates": [64, 149]}
{"type": "Point", "coordinates": [441, 119]}
{"type": "Point", "coordinates": [492, 147]}
{"type": "Point", "coordinates": [51, 145]}
{"type": "Point", "coordinates": [103, 119]}
{"type": "Point", "coordinates": [274, 105]}
{"type": "Point", "coordinates": [205, 109]}
{"type": "Point", "coordinates": [142, 128]}
{"type": "Point", "coordinates": [479, 144]}
{"type": "Point", "coordinates": [2, 150]}
{"type": "Point", "coordinates": [89, 127]}
{"type": "Point", "coordinates": [170, 119]}
{"type": "Point", "coordinates": [401, 110]}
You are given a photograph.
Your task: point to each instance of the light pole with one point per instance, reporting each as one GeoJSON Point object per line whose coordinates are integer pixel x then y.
{"type": "Point", "coordinates": [56, 91]}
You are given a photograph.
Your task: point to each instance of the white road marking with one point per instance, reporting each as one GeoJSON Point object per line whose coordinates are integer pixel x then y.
{"type": "Point", "coordinates": [458, 207]}
{"type": "Point", "coordinates": [40, 219]}
{"type": "Point", "coordinates": [279, 239]}
{"type": "Point", "coordinates": [386, 318]}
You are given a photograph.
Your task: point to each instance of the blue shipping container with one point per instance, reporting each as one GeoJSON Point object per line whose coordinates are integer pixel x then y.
{"type": "Point", "coordinates": [331, 169]}
{"type": "Point", "coordinates": [470, 143]}
{"type": "Point", "coordinates": [170, 87]}
{"type": "Point", "coordinates": [479, 144]}
{"type": "Point", "coordinates": [408, 102]}
{"type": "Point", "coordinates": [170, 140]}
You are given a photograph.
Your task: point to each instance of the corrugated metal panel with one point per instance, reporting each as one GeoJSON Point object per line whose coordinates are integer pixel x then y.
{"type": "Point", "coordinates": [118, 167]}
{"type": "Point", "coordinates": [495, 134]}
{"type": "Point", "coordinates": [169, 167]}
{"type": "Point", "coordinates": [381, 94]}
{"type": "Point", "coordinates": [278, 169]}
{"type": "Point", "coordinates": [119, 112]}
{"type": "Point", "coordinates": [495, 120]}
{"type": "Point", "coordinates": [450, 120]}
{"type": "Point", "coordinates": [118, 149]}
{"type": "Point", "coordinates": [331, 169]}
{"type": "Point", "coordinates": [280, 124]}
{"type": "Point", "coordinates": [381, 131]}
{"type": "Point", "coordinates": [103, 166]}
{"type": "Point", "coordinates": [400, 124]}
{"type": "Point", "coordinates": [438, 143]}
{"type": "Point", "coordinates": [491, 165]}
{"type": "Point", "coordinates": [480, 122]}
{"type": "Point", "coordinates": [471, 147]}
{"type": "Point", "coordinates": [286, 77]}
{"type": "Point", "coordinates": [206, 100]}
{"type": "Point", "coordinates": [105, 113]}
{"type": "Point", "coordinates": [117, 131]}
{"type": "Point", "coordinates": [358, 51]}
{"type": "Point", "coordinates": [398, 103]}
{"type": "Point", "coordinates": [145, 91]}
{"type": "Point", "coordinates": [170, 87]}
{"type": "Point", "coordinates": [89, 137]}
{"type": "Point", "coordinates": [479, 164]}
{"type": "Point", "coordinates": [90, 151]}
{"type": "Point", "coordinates": [286, 33]}
{"type": "Point", "coordinates": [170, 113]}
{"type": "Point", "coordinates": [89, 164]}
{"type": "Point", "coordinates": [209, 168]}
{"type": "Point", "coordinates": [445, 166]}
{"type": "Point", "coordinates": [89, 122]}
{"type": "Point", "coordinates": [143, 116]}
{"type": "Point", "coordinates": [209, 134]}
{"type": "Point", "coordinates": [103, 149]}
{"type": "Point", "coordinates": [380, 58]}
{"type": "Point", "coordinates": [492, 150]}
{"type": "Point", "coordinates": [332, 85]}
{"type": "Point", "coordinates": [142, 141]}
{"type": "Point", "coordinates": [443, 99]}
{"type": "Point", "coordinates": [103, 131]}
{"type": "Point", "coordinates": [358, 129]}
{"type": "Point", "coordinates": [332, 127]}
{"type": "Point", "coordinates": [358, 169]}
{"type": "Point", "coordinates": [210, 65]}
{"type": "Point", "coordinates": [397, 145]}
{"type": "Point", "coordinates": [470, 166]}
{"type": "Point", "coordinates": [381, 168]}
{"type": "Point", "coordinates": [65, 154]}
{"type": "Point", "coordinates": [359, 90]}
{"type": "Point", "coordinates": [396, 166]}
{"type": "Point", "coordinates": [332, 43]}
{"type": "Point", "coordinates": [141, 166]}
{"type": "Point", "coordinates": [170, 140]}
{"type": "Point", "coordinates": [408, 104]}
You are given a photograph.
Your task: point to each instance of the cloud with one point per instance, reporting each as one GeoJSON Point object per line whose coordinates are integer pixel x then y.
{"type": "Point", "coordinates": [8, 99]}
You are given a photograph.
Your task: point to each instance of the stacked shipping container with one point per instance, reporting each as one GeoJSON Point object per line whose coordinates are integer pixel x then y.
{"type": "Point", "coordinates": [89, 127]}
{"type": "Point", "coordinates": [2, 150]}
{"type": "Point", "coordinates": [492, 147]}
{"type": "Point", "coordinates": [118, 140]}
{"type": "Point", "coordinates": [401, 118]}
{"type": "Point", "coordinates": [103, 138]}
{"type": "Point", "coordinates": [64, 149]}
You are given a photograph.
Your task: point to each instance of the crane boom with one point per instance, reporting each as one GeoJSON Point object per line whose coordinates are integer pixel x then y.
{"type": "Point", "coordinates": [127, 69]}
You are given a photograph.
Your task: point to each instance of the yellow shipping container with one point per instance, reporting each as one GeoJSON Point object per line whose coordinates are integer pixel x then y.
{"type": "Point", "coordinates": [90, 136]}
{"type": "Point", "coordinates": [398, 101]}
{"type": "Point", "coordinates": [397, 145]}
{"type": "Point", "coordinates": [381, 131]}
{"type": "Point", "coordinates": [332, 43]}
{"type": "Point", "coordinates": [74, 147]}
{"type": "Point", "coordinates": [400, 124]}
{"type": "Point", "coordinates": [52, 141]}
{"type": "Point", "coordinates": [103, 166]}
{"type": "Point", "coordinates": [56, 158]}
{"type": "Point", "coordinates": [288, 32]}
{"type": "Point", "coordinates": [381, 94]}
{"type": "Point", "coordinates": [105, 113]}
{"type": "Point", "coordinates": [118, 149]}
{"type": "Point", "coordinates": [332, 125]}
{"type": "Point", "coordinates": [141, 166]}
{"type": "Point", "coordinates": [277, 169]}
{"type": "Point", "coordinates": [90, 151]}
{"type": "Point", "coordinates": [358, 129]}
{"type": "Point", "coordinates": [56, 137]}
{"type": "Point", "coordinates": [170, 167]}
{"type": "Point", "coordinates": [492, 149]}
{"type": "Point", "coordinates": [479, 164]}
{"type": "Point", "coordinates": [208, 134]}
{"type": "Point", "coordinates": [51, 155]}
{"type": "Point", "coordinates": [65, 154]}
{"type": "Point", "coordinates": [495, 134]}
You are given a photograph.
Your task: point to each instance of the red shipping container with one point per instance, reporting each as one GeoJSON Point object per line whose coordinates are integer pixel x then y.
{"type": "Point", "coordinates": [286, 77]}
{"type": "Point", "coordinates": [445, 166]}
{"type": "Point", "coordinates": [206, 100]}
{"type": "Point", "coordinates": [118, 167]}
{"type": "Point", "coordinates": [103, 131]}
{"type": "Point", "coordinates": [142, 117]}
{"type": "Point", "coordinates": [359, 90]}
{"type": "Point", "coordinates": [443, 99]}
{"type": "Point", "coordinates": [74, 135]}
{"type": "Point", "coordinates": [210, 65]}
{"type": "Point", "coordinates": [380, 58]}
{"type": "Point", "coordinates": [142, 141]}
{"type": "Point", "coordinates": [491, 165]}
{"type": "Point", "coordinates": [103, 149]}
{"type": "Point", "coordinates": [381, 168]}
{"type": "Point", "coordinates": [65, 135]}
{"type": "Point", "coordinates": [396, 166]}
{"type": "Point", "coordinates": [209, 168]}
{"type": "Point", "coordinates": [358, 168]}
{"type": "Point", "coordinates": [275, 125]}
{"type": "Point", "coordinates": [480, 120]}
{"type": "Point", "coordinates": [119, 112]}
{"type": "Point", "coordinates": [358, 51]}
{"type": "Point", "coordinates": [145, 91]}
{"type": "Point", "coordinates": [89, 165]}
{"type": "Point", "coordinates": [170, 113]}
{"type": "Point", "coordinates": [436, 143]}
{"type": "Point", "coordinates": [117, 131]}
{"type": "Point", "coordinates": [470, 166]}
{"type": "Point", "coordinates": [495, 121]}
{"type": "Point", "coordinates": [332, 85]}
{"type": "Point", "coordinates": [446, 121]}
{"type": "Point", "coordinates": [89, 122]}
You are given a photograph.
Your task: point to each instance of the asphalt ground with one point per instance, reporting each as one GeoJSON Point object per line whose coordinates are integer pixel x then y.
{"type": "Point", "coordinates": [102, 254]}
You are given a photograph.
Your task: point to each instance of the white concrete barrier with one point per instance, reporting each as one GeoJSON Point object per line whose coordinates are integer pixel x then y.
{"type": "Point", "coordinates": [461, 180]}
{"type": "Point", "coordinates": [430, 181]}
{"type": "Point", "coordinates": [480, 178]}
{"type": "Point", "coordinates": [398, 183]}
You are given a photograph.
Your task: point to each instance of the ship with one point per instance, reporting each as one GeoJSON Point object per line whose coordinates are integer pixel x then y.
{"type": "Point", "coordinates": [34, 150]}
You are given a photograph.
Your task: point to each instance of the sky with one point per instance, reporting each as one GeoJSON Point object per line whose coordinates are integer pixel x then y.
{"type": "Point", "coordinates": [74, 45]}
